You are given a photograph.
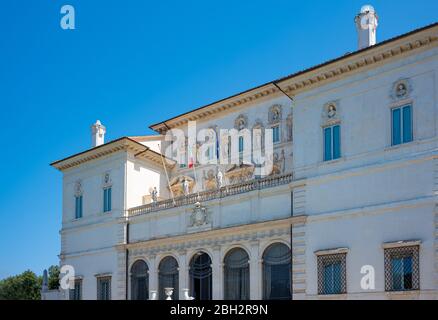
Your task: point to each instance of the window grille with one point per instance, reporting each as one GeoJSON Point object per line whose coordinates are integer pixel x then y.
{"type": "Point", "coordinates": [402, 268]}
{"type": "Point", "coordinates": [104, 288]}
{"type": "Point", "coordinates": [332, 274]}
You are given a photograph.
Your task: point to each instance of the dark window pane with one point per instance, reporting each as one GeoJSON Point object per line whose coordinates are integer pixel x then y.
{"type": "Point", "coordinates": [168, 277]}
{"type": "Point", "coordinates": [236, 275]}
{"type": "Point", "coordinates": [396, 126]}
{"type": "Point", "coordinates": [407, 124]}
{"type": "Point", "coordinates": [407, 270]}
{"type": "Point", "coordinates": [336, 142]}
{"type": "Point", "coordinates": [327, 144]}
{"type": "Point", "coordinates": [201, 277]}
{"type": "Point", "coordinates": [139, 281]}
{"type": "Point", "coordinates": [276, 272]}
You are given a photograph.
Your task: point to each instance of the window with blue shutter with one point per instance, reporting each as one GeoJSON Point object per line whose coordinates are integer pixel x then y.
{"type": "Point", "coordinates": [276, 134]}
{"type": "Point", "coordinates": [78, 207]}
{"type": "Point", "coordinates": [240, 144]}
{"type": "Point", "coordinates": [241, 149]}
{"type": "Point", "coordinates": [332, 143]}
{"type": "Point", "coordinates": [401, 125]}
{"type": "Point", "coordinates": [107, 200]}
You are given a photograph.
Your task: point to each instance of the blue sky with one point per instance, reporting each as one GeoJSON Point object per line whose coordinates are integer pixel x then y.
{"type": "Point", "coordinates": [134, 63]}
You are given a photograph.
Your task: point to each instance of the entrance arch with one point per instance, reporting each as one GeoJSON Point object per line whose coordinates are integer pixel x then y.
{"type": "Point", "coordinates": [139, 281]}
{"type": "Point", "coordinates": [201, 276]}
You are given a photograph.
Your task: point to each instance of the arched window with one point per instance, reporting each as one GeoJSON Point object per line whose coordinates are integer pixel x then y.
{"type": "Point", "coordinates": [277, 272]}
{"type": "Point", "coordinates": [236, 275]}
{"type": "Point", "coordinates": [201, 276]}
{"type": "Point", "coordinates": [139, 281]}
{"type": "Point", "coordinates": [168, 277]}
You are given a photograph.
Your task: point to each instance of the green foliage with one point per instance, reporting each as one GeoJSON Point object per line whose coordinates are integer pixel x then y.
{"type": "Point", "coordinates": [25, 286]}
{"type": "Point", "coordinates": [53, 277]}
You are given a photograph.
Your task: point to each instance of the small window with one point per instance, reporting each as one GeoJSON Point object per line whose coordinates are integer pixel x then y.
{"type": "Point", "coordinates": [241, 145]}
{"type": "Point", "coordinates": [402, 270]}
{"type": "Point", "coordinates": [104, 288]}
{"type": "Point", "coordinates": [332, 143]}
{"type": "Point", "coordinates": [78, 207]}
{"type": "Point", "coordinates": [182, 160]}
{"type": "Point", "coordinates": [76, 292]}
{"type": "Point", "coordinates": [332, 274]}
{"type": "Point", "coordinates": [107, 199]}
{"type": "Point", "coordinates": [401, 125]}
{"type": "Point", "coordinates": [276, 134]}
{"type": "Point", "coordinates": [210, 153]}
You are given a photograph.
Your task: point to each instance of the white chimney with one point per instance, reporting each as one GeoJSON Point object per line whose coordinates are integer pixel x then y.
{"type": "Point", "coordinates": [97, 134]}
{"type": "Point", "coordinates": [366, 26]}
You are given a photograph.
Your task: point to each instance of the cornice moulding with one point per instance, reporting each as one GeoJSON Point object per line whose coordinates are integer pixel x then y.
{"type": "Point", "coordinates": [124, 144]}
{"type": "Point", "coordinates": [216, 233]}
{"type": "Point", "coordinates": [398, 47]}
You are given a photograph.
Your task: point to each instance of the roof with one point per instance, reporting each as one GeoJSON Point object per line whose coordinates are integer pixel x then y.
{"type": "Point", "coordinates": [273, 86]}
{"type": "Point", "coordinates": [396, 47]}
{"type": "Point", "coordinates": [122, 144]}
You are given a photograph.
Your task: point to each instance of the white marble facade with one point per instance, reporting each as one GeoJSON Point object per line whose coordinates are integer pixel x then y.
{"type": "Point", "coordinates": [373, 196]}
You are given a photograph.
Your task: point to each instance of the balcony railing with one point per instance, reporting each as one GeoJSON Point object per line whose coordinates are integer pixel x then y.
{"type": "Point", "coordinates": [231, 190]}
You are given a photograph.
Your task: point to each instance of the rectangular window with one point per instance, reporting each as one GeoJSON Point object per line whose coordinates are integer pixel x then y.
{"type": "Point", "coordinates": [240, 144]}
{"type": "Point", "coordinates": [76, 293]}
{"type": "Point", "coordinates": [401, 125]}
{"type": "Point", "coordinates": [210, 153]}
{"type": "Point", "coordinates": [104, 288]}
{"type": "Point", "coordinates": [78, 207]}
{"type": "Point", "coordinates": [332, 143]}
{"type": "Point", "coordinates": [276, 134]}
{"type": "Point", "coordinates": [402, 268]}
{"type": "Point", "coordinates": [182, 160]}
{"type": "Point", "coordinates": [241, 147]}
{"type": "Point", "coordinates": [107, 199]}
{"type": "Point", "coordinates": [332, 274]}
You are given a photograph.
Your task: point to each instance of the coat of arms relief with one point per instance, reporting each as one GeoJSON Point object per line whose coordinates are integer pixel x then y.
{"type": "Point", "coordinates": [199, 217]}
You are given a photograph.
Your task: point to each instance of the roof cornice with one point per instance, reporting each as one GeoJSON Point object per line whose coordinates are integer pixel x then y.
{"type": "Point", "coordinates": [361, 60]}
{"type": "Point", "coordinates": [321, 74]}
{"type": "Point", "coordinates": [124, 144]}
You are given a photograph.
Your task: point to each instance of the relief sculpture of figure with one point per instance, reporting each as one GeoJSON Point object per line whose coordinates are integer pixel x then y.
{"type": "Point", "coordinates": [220, 179]}
{"type": "Point", "coordinates": [154, 195]}
{"type": "Point", "coordinates": [186, 188]}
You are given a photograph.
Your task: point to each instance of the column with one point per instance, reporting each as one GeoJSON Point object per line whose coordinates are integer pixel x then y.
{"type": "Point", "coordinates": [153, 274]}
{"type": "Point", "coordinates": [183, 273]}
{"type": "Point", "coordinates": [255, 272]}
{"type": "Point", "coordinates": [217, 268]}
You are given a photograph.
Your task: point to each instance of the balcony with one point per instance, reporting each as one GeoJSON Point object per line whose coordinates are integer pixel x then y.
{"type": "Point", "coordinates": [227, 191]}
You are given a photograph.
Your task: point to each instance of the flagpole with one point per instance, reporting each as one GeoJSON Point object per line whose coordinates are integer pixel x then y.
{"type": "Point", "coordinates": [167, 176]}
{"type": "Point", "coordinates": [194, 168]}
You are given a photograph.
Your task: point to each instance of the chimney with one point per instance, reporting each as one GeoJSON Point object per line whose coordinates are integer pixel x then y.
{"type": "Point", "coordinates": [97, 134]}
{"type": "Point", "coordinates": [366, 26]}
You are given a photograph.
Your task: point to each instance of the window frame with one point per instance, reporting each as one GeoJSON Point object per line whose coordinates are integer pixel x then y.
{"type": "Point", "coordinates": [79, 213]}
{"type": "Point", "coordinates": [100, 281]}
{"type": "Point", "coordinates": [75, 294]}
{"type": "Point", "coordinates": [331, 257]}
{"type": "Point", "coordinates": [107, 199]}
{"type": "Point", "coordinates": [402, 251]}
{"type": "Point", "coordinates": [401, 107]}
{"type": "Point", "coordinates": [276, 127]}
{"type": "Point", "coordinates": [332, 142]}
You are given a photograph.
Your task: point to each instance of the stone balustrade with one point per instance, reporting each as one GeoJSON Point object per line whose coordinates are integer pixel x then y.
{"type": "Point", "coordinates": [226, 191]}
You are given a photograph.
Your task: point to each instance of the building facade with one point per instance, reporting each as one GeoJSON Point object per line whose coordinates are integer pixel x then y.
{"type": "Point", "coordinates": [348, 211]}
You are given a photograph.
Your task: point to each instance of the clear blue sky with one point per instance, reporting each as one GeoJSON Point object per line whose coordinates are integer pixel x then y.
{"type": "Point", "coordinates": [133, 63]}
